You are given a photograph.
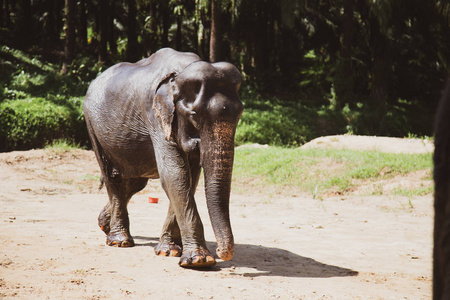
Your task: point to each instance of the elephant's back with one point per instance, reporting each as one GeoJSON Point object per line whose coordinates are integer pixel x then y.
{"type": "Point", "coordinates": [131, 81]}
{"type": "Point", "coordinates": [116, 103]}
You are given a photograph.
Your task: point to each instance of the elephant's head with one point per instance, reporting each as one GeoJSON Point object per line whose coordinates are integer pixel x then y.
{"type": "Point", "coordinates": [200, 109]}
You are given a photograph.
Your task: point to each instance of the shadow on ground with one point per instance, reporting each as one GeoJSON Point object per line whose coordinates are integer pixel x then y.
{"type": "Point", "coordinates": [257, 260]}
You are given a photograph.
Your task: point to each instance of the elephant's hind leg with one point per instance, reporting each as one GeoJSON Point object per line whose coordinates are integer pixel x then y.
{"type": "Point", "coordinates": [170, 241]}
{"type": "Point", "coordinates": [120, 192]}
{"type": "Point", "coordinates": [104, 219]}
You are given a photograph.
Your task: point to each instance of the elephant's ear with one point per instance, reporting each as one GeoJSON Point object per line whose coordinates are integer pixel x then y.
{"type": "Point", "coordinates": [163, 103]}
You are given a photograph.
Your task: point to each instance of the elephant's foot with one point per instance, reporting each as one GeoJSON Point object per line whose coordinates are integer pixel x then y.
{"type": "Point", "coordinates": [168, 249]}
{"type": "Point", "coordinates": [120, 239]}
{"type": "Point", "coordinates": [104, 219]}
{"type": "Point", "coordinates": [199, 258]}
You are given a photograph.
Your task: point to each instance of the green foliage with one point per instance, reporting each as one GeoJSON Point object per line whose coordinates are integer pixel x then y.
{"type": "Point", "coordinates": [61, 146]}
{"type": "Point", "coordinates": [319, 171]}
{"type": "Point", "coordinates": [38, 105]}
{"type": "Point", "coordinates": [273, 122]}
{"type": "Point", "coordinates": [34, 122]}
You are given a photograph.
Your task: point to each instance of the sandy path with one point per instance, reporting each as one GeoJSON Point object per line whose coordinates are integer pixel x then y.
{"type": "Point", "coordinates": [358, 247]}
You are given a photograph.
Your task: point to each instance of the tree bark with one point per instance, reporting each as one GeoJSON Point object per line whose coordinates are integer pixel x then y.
{"type": "Point", "coordinates": [69, 32]}
{"type": "Point", "coordinates": [54, 20]}
{"type": "Point", "coordinates": [343, 82]}
{"type": "Point", "coordinates": [82, 29]}
{"type": "Point", "coordinates": [215, 41]}
{"type": "Point", "coordinates": [103, 27]}
{"type": "Point", "coordinates": [111, 33]}
{"type": "Point", "coordinates": [6, 19]}
{"type": "Point", "coordinates": [166, 23]}
{"type": "Point", "coordinates": [132, 47]}
{"type": "Point", "coordinates": [380, 66]}
{"type": "Point", "coordinates": [179, 36]}
{"type": "Point", "coordinates": [26, 23]}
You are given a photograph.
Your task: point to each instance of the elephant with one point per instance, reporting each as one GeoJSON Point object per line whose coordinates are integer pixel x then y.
{"type": "Point", "coordinates": [167, 116]}
{"type": "Point", "coordinates": [441, 174]}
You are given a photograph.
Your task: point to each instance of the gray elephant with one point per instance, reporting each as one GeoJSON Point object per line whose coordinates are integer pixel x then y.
{"type": "Point", "coordinates": [167, 116]}
{"type": "Point", "coordinates": [441, 252]}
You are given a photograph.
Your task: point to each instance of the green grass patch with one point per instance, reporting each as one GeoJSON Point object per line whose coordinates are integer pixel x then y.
{"type": "Point", "coordinates": [317, 171]}
{"type": "Point", "coordinates": [62, 145]}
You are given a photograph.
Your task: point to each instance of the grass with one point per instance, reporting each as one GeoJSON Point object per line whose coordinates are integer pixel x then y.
{"type": "Point", "coordinates": [318, 172]}
{"type": "Point", "coordinates": [61, 146]}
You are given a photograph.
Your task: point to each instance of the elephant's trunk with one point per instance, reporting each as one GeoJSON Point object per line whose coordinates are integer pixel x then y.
{"type": "Point", "coordinates": [217, 155]}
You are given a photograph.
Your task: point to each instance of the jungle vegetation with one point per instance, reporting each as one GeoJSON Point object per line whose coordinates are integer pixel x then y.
{"type": "Point", "coordinates": [310, 68]}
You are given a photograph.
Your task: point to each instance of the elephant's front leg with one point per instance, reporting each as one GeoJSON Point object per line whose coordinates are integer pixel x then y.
{"type": "Point", "coordinates": [176, 179]}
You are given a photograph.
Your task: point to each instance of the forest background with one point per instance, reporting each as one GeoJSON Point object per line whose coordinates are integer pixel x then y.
{"type": "Point", "coordinates": [311, 68]}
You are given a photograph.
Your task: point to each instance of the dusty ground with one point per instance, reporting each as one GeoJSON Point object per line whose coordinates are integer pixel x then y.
{"type": "Point", "coordinates": [353, 247]}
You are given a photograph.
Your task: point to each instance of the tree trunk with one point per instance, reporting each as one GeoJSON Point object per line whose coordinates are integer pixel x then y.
{"type": "Point", "coordinates": [69, 32]}
{"type": "Point", "coordinates": [111, 33]}
{"type": "Point", "coordinates": [2, 13]}
{"type": "Point", "coordinates": [132, 47]}
{"type": "Point", "coordinates": [26, 23]}
{"type": "Point", "coordinates": [166, 23]}
{"type": "Point", "coordinates": [179, 36]}
{"type": "Point", "coordinates": [343, 81]}
{"type": "Point", "coordinates": [82, 29]}
{"type": "Point", "coordinates": [103, 27]}
{"type": "Point", "coordinates": [215, 42]}
{"type": "Point", "coordinates": [380, 67]}
{"type": "Point", "coordinates": [54, 21]}
{"type": "Point", "coordinates": [6, 16]}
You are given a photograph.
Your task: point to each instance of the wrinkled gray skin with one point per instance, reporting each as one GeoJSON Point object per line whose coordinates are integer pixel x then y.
{"type": "Point", "coordinates": [167, 116]}
{"type": "Point", "coordinates": [441, 252]}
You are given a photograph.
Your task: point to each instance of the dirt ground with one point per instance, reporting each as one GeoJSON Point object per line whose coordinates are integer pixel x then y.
{"type": "Point", "coordinates": [342, 247]}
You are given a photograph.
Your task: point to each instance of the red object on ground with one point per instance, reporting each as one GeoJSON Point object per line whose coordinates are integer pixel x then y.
{"type": "Point", "coordinates": [152, 200]}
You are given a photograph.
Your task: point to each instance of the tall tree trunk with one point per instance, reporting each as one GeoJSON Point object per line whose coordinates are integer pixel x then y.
{"type": "Point", "coordinates": [215, 42]}
{"type": "Point", "coordinates": [6, 16]}
{"type": "Point", "coordinates": [380, 66]}
{"type": "Point", "coordinates": [103, 27]}
{"type": "Point", "coordinates": [69, 32]}
{"type": "Point", "coordinates": [153, 39]}
{"type": "Point", "coordinates": [2, 13]}
{"type": "Point", "coordinates": [343, 81]}
{"type": "Point", "coordinates": [179, 36]}
{"type": "Point", "coordinates": [82, 29]}
{"type": "Point", "coordinates": [54, 20]}
{"type": "Point", "coordinates": [166, 22]}
{"type": "Point", "coordinates": [132, 47]}
{"type": "Point", "coordinates": [111, 33]}
{"type": "Point", "coordinates": [26, 23]}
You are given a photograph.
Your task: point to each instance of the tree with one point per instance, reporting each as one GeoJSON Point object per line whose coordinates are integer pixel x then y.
{"type": "Point", "coordinates": [69, 31]}
{"type": "Point", "coordinates": [215, 42]}
{"type": "Point", "coordinates": [132, 47]}
{"type": "Point", "coordinates": [103, 28]}
{"type": "Point", "coordinates": [343, 80]}
{"type": "Point", "coordinates": [82, 28]}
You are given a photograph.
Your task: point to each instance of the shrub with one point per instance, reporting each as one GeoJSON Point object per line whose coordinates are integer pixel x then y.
{"type": "Point", "coordinates": [34, 122]}
{"type": "Point", "coordinates": [273, 122]}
